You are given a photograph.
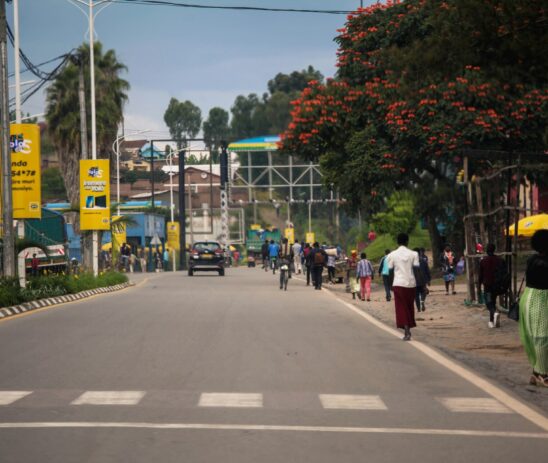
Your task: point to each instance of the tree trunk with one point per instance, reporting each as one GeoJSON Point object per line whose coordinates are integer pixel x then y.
{"type": "Point", "coordinates": [435, 238]}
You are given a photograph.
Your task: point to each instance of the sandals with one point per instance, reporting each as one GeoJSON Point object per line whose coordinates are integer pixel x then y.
{"type": "Point", "coordinates": [537, 380]}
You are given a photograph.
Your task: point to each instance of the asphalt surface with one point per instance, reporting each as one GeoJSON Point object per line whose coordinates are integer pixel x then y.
{"type": "Point", "coordinates": [295, 376]}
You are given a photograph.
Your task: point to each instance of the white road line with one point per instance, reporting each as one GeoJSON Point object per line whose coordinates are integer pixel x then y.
{"type": "Point", "coordinates": [473, 405]}
{"type": "Point", "coordinates": [261, 427]}
{"type": "Point", "coordinates": [511, 402]}
{"type": "Point", "coordinates": [352, 402]}
{"type": "Point", "coordinates": [8, 397]}
{"type": "Point", "coordinates": [109, 398]}
{"type": "Point", "coordinates": [231, 400]}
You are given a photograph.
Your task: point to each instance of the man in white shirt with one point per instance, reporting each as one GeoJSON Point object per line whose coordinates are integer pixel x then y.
{"type": "Point", "coordinates": [297, 257]}
{"type": "Point", "coordinates": [402, 261]}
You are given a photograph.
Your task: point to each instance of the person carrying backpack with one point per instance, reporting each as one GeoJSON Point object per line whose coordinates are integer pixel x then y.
{"type": "Point", "coordinates": [493, 277]}
{"type": "Point", "coordinates": [318, 259]}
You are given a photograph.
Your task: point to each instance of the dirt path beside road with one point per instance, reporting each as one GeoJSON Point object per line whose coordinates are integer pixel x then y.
{"type": "Point", "coordinates": [462, 333]}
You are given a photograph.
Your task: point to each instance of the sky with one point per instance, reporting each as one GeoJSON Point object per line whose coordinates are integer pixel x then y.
{"type": "Point", "coordinates": [205, 56]}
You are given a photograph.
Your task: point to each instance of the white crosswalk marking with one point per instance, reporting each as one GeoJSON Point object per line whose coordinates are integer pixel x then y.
{"type": "Point", "coordinates": [352, 402]}
{"type": "Point", "coordinates": [473, 405]}
{"type": "Point", "coordinates": [109, 398]}
{"type": "Point", "coordinates": [8, 397]}
{"type": "Point", "coordinates": [231, 400]}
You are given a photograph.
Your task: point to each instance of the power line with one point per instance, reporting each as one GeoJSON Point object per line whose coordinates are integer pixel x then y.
{"type": "Point", "coordinates": [49, 61]}
{"type": "Point", "coordinates": [227, 7]}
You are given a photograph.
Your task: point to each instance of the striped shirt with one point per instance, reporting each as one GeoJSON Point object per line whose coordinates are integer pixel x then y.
{"type": "Point", "coordinates": [364, 268]}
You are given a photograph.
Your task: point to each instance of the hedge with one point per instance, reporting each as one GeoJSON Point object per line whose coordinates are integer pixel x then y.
{"type": "Point", "coordinates": [54, 285]}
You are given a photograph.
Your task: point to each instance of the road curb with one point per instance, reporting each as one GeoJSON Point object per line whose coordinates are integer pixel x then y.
{"type": "Point", "coordinates": [6, 312]}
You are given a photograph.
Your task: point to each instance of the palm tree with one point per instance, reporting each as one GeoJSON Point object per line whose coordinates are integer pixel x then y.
{"type": "Point", "coordinates": [63, 111]}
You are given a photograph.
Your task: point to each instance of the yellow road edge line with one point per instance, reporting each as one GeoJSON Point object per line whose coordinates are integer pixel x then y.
{"type": "Point", "coordinates": [494, 391]}
{"type": "Point", "coordinates": [77, 301]}
{"type": "Point", "coordinates": [266, 427]}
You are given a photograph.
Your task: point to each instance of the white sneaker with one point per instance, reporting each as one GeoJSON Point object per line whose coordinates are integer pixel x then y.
{"type": "Point", "coordinates": [497, 320]}
{"type": "Point", "coordinates": [491, 325]}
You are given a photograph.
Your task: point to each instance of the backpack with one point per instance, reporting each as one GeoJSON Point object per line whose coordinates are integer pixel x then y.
{"type": "Point", "coordinates": [319, 258]}
{"type": "Point", "coordinates": [502, 280]}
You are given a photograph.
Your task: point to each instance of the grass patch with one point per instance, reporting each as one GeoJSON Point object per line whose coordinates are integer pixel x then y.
{"type": "Point", "coordinates": [417, 239]}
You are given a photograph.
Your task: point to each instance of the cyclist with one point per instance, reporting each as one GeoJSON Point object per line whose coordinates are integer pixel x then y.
{"type": "Point", "coordinates": [286, 257]}
{"type": "Point", "coordinates": [273, 253]}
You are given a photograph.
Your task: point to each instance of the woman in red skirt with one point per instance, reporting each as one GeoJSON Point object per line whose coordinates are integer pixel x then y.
{"type": "Point", "coordinates": [402, 261]}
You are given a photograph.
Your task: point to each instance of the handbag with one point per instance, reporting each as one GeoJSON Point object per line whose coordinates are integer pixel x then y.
{"type": "Point", "coordinates": [513, 311]}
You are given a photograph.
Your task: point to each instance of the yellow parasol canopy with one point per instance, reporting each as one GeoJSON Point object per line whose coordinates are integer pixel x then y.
{"type": "Point", "coordinates": [529, 225]}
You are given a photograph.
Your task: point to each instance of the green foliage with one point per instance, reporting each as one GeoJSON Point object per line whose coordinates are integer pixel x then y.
{"type": "Point", "coordinates": [129, 176]}
{"type": "Point", "coordinates": [253, 116]}
{"type": "Point", "coordinates": [9, 291]}
{"type": "Point", "coordinates": [294, 82]}
{"type": "Point", "coordinates": [54, 285]}
{"type": "Point", "coordinates": [183, 119]}
{"type": "Point", "coordinates": [418, 238]}
{"type": "Point", "coordinates": [399, 216]}
{"type": "Point", "coordinates": [216, 130]}
{"type": "Point", "coordinates": [53, 186]}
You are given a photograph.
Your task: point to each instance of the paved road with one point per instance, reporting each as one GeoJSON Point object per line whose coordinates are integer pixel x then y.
{"type": "Point", "coordinates": [210, 369]}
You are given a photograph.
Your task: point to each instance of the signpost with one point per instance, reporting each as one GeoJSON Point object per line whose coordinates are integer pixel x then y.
{"type": "Point", "coordinates": [25, 171]}
{"type": "Point", "coordinates": [310, 238]}
{"type": "Point", "coordinates": [94, 194]}
{"type": "Point", "coordinates": [173, 232]}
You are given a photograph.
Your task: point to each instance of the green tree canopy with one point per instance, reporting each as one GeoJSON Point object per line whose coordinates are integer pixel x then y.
{"type": "Point", "coordinates": [216, 130]}
{"type": "Point", "coordinates": [52, 184]}
{"type": "Point", "coordinates": [418, 81]}
{"type": "Point", "coordinates": [183, 119]}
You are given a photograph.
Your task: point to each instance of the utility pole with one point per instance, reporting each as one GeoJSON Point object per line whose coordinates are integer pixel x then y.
{"type": "Point", "coordinates": [16, 61]}
{"type": "Point", "coordinates": [7, 206]}
{"type": "Point", "coordinates": [182, 211]}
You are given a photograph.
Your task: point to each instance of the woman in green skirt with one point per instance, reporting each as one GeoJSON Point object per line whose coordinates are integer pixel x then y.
{"type": "Point", "coordinates": [533, 320]}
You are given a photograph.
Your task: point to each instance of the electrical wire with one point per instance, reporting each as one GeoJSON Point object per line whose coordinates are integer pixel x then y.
{"type": "Point", "coordinates": [227, 7]}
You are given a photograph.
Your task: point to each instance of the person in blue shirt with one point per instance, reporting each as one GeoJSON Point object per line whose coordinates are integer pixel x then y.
{"type": "Point", "coordinates": [273, 253]}
{"type": "Point", "coordinates": [384, 271]}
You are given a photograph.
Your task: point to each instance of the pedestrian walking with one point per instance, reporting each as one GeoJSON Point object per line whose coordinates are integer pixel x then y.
{"type": "Point", "coordinates": [403, 261]}
{"type": "Point", "coordinates": [319, 259]}
{"type": "Point", "coordinates": [264, 253]}
{"type": "Point", "coordinates": [384, 272]}
{"type": "Point", "coordinates": [364, 272]}
{"type": "Point", "coordinates": [351, 266]}
{"type": "Point", "coordinates": [143, 260]}
{"type": "Point", "coordinates": [533, 307]}
{"type": "Point", "coordinates": [491, 267]}
{"type": "Point", "coordinates": [331, 263]}
{"type": "Point", "coordinates": [307, 252]}
{"type": "Point", "coordinates": [132, 261]}
{"type": "Point", "coordinates": [448, 266]}
{"type": "Point", "coordinates": [125, 252]}
{"type": "Point", "coordinates": [286, 255]}
{"type": "Point", "coordinates": [297, 250]}
{"type": "Point", "coordinates": [423, 278]}
{"type": "Point", "coordinates": [165, 257]}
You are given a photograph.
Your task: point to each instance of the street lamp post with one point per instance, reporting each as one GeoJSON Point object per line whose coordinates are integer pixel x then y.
{"type": "Point", "coordinates": [91, 17]}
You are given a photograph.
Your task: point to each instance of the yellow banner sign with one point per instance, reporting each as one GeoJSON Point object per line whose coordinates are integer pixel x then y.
{"type": "Point", "coordinates": [95, 194]}
{"type": "Point", "coordinates": [310, 238]}
{"type": "Point", "coordinates": [25, 171]}
{"type": "Point", "coordinates": [173, 234]}
{"type": "Point", "coordinates": [119, 235]}
{"type": "Point", "coordinates": [290, 235]}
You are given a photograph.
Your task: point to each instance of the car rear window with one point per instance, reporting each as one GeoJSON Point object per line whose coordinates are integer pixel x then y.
{"type": "Point", "coordinates": [207, 246]}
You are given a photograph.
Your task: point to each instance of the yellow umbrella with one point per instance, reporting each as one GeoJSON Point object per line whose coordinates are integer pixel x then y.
{"type": "Point", "coordinates": [529, 225]}
{"type": "Point", "coordinates": [106, 247]}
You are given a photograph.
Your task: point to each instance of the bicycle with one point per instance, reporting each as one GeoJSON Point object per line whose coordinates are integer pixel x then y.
{"type": "Point", "coordinates": [284, 275]}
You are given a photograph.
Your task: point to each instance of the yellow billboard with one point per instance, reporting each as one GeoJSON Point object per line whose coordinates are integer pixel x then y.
{"type": "Point", "coordinates": [94, 194]}
{"type": "Point", "coordinates": [290, 235]}
{"type": "Point", "coordinates": [310, 237]}
{"type": "Point", "coordinates": [173, 235]}
{"type": "Point", "coordinates": [25, 171]}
